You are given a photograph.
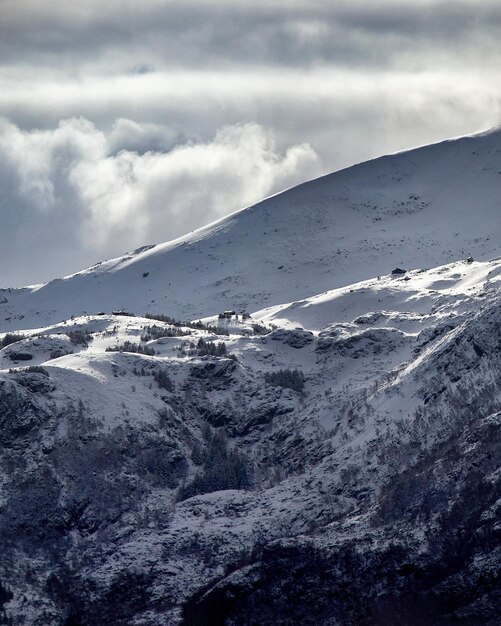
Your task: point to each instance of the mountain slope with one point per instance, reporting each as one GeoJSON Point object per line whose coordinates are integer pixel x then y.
{"type": "Point", "coordinates": [146, 479]}
{"type": "Point", "coordinates": [415, 209]}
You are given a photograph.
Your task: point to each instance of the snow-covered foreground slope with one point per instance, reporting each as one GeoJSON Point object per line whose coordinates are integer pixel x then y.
{"type": "Point", "coordinates": [337, 462]}
{"type": "Point", "coordinates": [403, 300]}
{"type": "Point", "coordinates": [417, 209]}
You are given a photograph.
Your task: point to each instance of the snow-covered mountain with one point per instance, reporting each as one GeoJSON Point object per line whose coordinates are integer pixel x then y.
{"type": "Point", "coordinates": [331, 459]}
{"type": "Point", "coordinates": [416, 209]}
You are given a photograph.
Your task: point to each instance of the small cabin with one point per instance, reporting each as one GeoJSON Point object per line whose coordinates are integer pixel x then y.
{"type": "Point", "coordinates": [226, 315]}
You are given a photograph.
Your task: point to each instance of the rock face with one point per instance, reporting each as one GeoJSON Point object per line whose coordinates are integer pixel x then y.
{"type": "Point", "coordinates": [296, 338]}
{"type": "Point", "coordinates": [385, 575]}
{"type": "Point", "coordinates": [155, 485]}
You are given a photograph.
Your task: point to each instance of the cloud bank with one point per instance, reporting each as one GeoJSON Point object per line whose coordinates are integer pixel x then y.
{"type": "Point", "coordinates": [74, 195]}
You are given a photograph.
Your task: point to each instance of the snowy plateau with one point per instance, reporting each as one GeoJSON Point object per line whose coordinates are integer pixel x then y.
{"type": "Point", "coordinates": [262, 422]}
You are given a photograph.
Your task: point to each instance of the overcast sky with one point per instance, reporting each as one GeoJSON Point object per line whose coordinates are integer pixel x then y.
{"type": "Point", "coordinates": [124, 123]}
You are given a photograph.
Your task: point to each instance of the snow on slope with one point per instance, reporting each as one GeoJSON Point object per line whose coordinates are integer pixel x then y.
{"type": "Point", "coordinates": [377, 360]}
{"type": "Point", "coordinates": [421, 208]}
{"type": "Point", "coordinates": [403, 301]}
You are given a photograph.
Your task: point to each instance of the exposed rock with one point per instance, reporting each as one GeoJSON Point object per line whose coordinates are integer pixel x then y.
{"type": "Point", "coordinates": [295, 338]}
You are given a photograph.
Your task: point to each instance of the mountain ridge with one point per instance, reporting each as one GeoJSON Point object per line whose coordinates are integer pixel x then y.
{"type": "Point", "coordinates": [417, 208]}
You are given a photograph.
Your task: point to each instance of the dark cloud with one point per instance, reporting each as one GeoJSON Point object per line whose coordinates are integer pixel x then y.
{"type": "Point", "coordinates": [227, 33]}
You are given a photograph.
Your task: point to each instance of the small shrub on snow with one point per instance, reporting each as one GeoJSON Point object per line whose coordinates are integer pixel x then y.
{"type": "Point", "coordinates": [210, 348]}
{"type": "Point", "coordinates": [163, 380]}
{"type": "Point", "coordinates": [10, 338]}
{"type": "Point", "coordinates": [130, 346]}
{"type": "Point", "coordinates": [160, 318]}
{"type": "Point", "coordinates": [58, 352]}
{"type": "Point", "coordinates": [156, 332]}
{"type": "Point", "coordinates": [259, 329]}
{"type": "Point", "coordinates": [286, 378]}
{"type": "Point", "coordinates": [216, 330]}
{"type": "Point", "coordinates": [223, 469]}
{"type": "Point", "coordinates": [79, 337]}
{"type": "Point", "coordinates": [20, 356]}
{"type": "Point", "coordinates": [36, 369]}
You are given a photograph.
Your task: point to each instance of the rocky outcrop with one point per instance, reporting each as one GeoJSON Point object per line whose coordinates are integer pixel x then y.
{"type": "Point", "coordinates": [176, 488]}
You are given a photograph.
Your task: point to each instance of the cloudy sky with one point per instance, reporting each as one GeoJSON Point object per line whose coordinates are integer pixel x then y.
{"type": "Point", "coordinates": [124, 122]}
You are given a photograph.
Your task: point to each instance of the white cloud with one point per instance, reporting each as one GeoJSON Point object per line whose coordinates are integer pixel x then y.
{"type": "Point", "coordinates": [146, 137]}
{"type": "Point", "coordinates": [68, 186]}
